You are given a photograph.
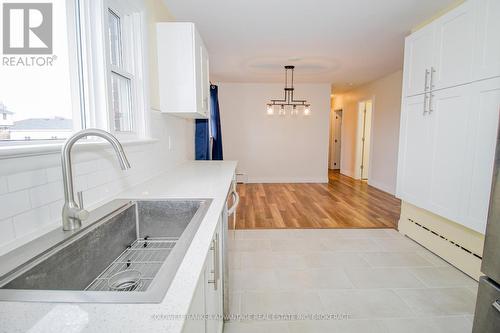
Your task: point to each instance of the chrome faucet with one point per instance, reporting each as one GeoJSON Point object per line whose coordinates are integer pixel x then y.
{"type": "Point", "coordinates": [73, 214]}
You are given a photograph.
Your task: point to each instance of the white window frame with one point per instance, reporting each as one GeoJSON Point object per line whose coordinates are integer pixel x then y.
{"type": "Point", "coordinates": [97, 67]}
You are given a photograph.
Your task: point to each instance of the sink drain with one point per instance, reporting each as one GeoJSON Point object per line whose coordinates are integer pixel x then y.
{"type": "Point", "coordinates": [127, 280]}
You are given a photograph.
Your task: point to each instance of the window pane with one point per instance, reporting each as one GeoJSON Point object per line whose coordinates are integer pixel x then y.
{"type": "Point", "coordinates": [115, 43]}
{"type": "Point", "coordinates": [35, 94]}
{"type": "Point", "coordinates": [121, 103]}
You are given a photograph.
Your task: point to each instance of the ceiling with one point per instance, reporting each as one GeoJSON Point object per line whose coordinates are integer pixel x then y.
{"type": "Point", "coordinates": [343, 42]}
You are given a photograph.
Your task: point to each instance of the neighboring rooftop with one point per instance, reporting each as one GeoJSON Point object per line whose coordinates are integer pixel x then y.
{"type": "Point", "coordinates": [43, 123]}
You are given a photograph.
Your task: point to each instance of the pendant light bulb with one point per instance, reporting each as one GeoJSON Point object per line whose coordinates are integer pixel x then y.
{"type": "Point", "coordinates": [270, 110]}
{"type": "Point", "coordinates": [307, 111]}
{"type": "Point", "coordinates": [282, 110]}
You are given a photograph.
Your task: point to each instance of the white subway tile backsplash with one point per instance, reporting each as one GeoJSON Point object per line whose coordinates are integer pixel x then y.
{"type": "Point", "coordinates": [55, 209]}
{"type": "Point", "coordinates": [6, 231]}
{"type": "Point", "coordinates": [31, 201]}
{"type": "Point", "coordinates": [30, 221]}
{"type": "Point", "coordinates": [23, 180]}
{"type": "Point", "coordinates": [3, 185]}
{"type": "Point", "coordinates": [45, 194]}
{"type": "Point", "coordinates": [14, 203]}
{"type": "Point", "coordinates": [54, 174]}
{"type": "Point", "coordinates": [83, 168]}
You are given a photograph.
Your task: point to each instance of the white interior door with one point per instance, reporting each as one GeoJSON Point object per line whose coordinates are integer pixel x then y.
{"type": "Point", "coordinates": [366, 140]}
{"type": "Point", "coordinates": [336, 141]}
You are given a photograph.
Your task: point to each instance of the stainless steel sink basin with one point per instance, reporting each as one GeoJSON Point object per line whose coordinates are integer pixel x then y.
{"type": "Point", "coordinates": [128, 255]}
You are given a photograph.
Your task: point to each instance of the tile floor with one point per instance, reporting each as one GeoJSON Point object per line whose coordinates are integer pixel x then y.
{"type": "Point", "coordinates": [374, 280]}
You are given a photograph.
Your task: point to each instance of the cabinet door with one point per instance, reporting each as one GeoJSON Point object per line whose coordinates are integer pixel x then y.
{"type": "Point", "coordinates": [485, 103]}
{"type": "Point", "coordinates": [197, 308]}
{"type": "Point", "coordinates": [454, 47]}
{"type": "Point", "coordinates": [418, 60]}
{"type": "Point", "coordinates": [450, 114]}
{"type": "Point", "coordinates": [487, 59]}
{"type": "Point", "coordinates": [415, 151]}
{"type": "Point", "coordinates": [214, 288]}
{"type": "Point", "coordinates": [205, 82]}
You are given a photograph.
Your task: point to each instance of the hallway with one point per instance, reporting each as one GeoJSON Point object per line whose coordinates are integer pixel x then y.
{"type": "Point", "coordinates": [342, 203]}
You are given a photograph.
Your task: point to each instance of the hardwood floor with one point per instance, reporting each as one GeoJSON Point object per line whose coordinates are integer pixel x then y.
{"type": "Point", "coordinates": [342, 203]}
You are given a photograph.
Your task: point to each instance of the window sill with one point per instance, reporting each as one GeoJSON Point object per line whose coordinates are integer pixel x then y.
{"type": "Point", "coordinates": [55, 148]}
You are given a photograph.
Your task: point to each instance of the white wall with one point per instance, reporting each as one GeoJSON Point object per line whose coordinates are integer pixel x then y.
{"type": "Point", "coordinates": [275, 149]}
{"type": "Point", "coordinates": [386, 96]}
{"type": "Point", "coordinates": [31, 191]}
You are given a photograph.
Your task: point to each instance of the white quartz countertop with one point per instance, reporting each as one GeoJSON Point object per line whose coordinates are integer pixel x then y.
{"type": "Point", "coordinates": [197, 179]}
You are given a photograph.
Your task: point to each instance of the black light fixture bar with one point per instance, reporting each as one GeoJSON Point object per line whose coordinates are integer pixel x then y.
{"type": "Point", "coordinates": [289, 90]}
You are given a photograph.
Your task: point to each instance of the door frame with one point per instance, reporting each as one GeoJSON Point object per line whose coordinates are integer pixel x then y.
{"type": "Point", "coordinates": [359, 134]}
{"type": "Point", "coordinates": [332, 166]}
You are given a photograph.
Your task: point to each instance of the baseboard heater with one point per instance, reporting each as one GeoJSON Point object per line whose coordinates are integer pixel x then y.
{"type": "Point", "coordinates": [436, 234]}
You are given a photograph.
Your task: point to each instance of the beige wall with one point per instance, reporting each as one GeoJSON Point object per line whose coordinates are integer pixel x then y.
{"type": "Point", "coordinates": [272, 148]}
{"type": "Point", "coordinates": [386, 96]}
{"type": "Point", "coordinates": [156, 12]}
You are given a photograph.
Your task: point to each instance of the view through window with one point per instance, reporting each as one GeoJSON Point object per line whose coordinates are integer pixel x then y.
{"type": "Point", "coordinates": [35, 92]}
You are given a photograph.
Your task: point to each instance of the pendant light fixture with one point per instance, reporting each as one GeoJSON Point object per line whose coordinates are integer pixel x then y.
{"type": "Point", "coordinates": [281, 105]}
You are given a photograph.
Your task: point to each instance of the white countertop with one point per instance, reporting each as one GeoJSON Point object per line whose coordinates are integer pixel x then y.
{"type": "Point", "coordinates": [197, 179]}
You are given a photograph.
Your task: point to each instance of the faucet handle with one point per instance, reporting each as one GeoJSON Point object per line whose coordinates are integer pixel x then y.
{"type": "Point", "coordinates": [82, 214]}
{"type": "Point", "coordinates": [79, 195]}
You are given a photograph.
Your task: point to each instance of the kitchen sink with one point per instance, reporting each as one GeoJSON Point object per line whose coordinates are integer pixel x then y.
{"type": "Point", "coordinates": [129, 254]}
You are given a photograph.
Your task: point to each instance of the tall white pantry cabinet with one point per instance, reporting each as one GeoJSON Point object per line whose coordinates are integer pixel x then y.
{"type": "Point", "coordinates": [450, 113]}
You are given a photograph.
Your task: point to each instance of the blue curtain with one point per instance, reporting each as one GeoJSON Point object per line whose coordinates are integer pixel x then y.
{"type": "Point", "coordinates": [215, 123]}
{"type": "Point", "coordinates": [202, 140]}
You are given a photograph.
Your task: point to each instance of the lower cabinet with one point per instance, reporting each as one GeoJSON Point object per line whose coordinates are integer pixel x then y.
{"type": "Point", "coordinates": [447, 150]}
{"type": "Point", "coordinates": [206, 308]}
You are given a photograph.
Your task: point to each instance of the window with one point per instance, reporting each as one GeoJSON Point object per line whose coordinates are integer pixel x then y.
{"type": "Point", "coordinates": [96, 78]}
{"type": "Point", "coordinates": [36, 95]}
{"type": "Point", "coordinates": [121, 79]}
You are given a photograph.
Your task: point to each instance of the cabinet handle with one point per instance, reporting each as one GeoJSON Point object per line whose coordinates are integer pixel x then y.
{"type": "Point", "coordinates": [426, 86]}
{"type": "Point", "coordinates": [215, 253]}
{"type": "Point", "coordinates": [433, 70]}
{"type": "Point", "coordinates": [236, 202]}
{"type": "Point", "coordinates": [426, 97]}
{"type": "Point", "coordinates": [430, 103]}
{"type": "Point", "coordinates": [496, 305]}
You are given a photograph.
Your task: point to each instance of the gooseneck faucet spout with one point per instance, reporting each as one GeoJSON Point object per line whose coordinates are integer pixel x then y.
{"type": "Point", "coordinates": [72, 214]}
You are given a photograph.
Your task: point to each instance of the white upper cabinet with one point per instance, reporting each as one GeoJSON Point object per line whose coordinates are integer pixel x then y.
{"type": "Point", "coordinates": [182, 70]}
{"type": "Point", "coordinates": [453, 48]}
{"type": "Point", "coordinates": [487, 48]}
{"type": "Point", "coordinates": [460, 47]}
{"type": "Point", "coordinates": [418, 60]}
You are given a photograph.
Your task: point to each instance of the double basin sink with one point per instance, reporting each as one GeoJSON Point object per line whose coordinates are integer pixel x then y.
{"type": "Point", "coordinates": [129, 253]}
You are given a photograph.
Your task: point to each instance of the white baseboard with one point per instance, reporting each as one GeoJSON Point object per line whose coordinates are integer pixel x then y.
{"type": "Point", "coordinates": [348, 173]}
{"type": "Point", "coordinates": [271, 180]}
{"type": "Point", "coordinates": [381, 186]}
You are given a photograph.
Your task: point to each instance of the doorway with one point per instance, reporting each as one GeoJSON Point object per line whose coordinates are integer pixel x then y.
{"type": "Point", "coordinates": [365, 112]}
{"type": "Point", "coordinates": [336, 139]}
